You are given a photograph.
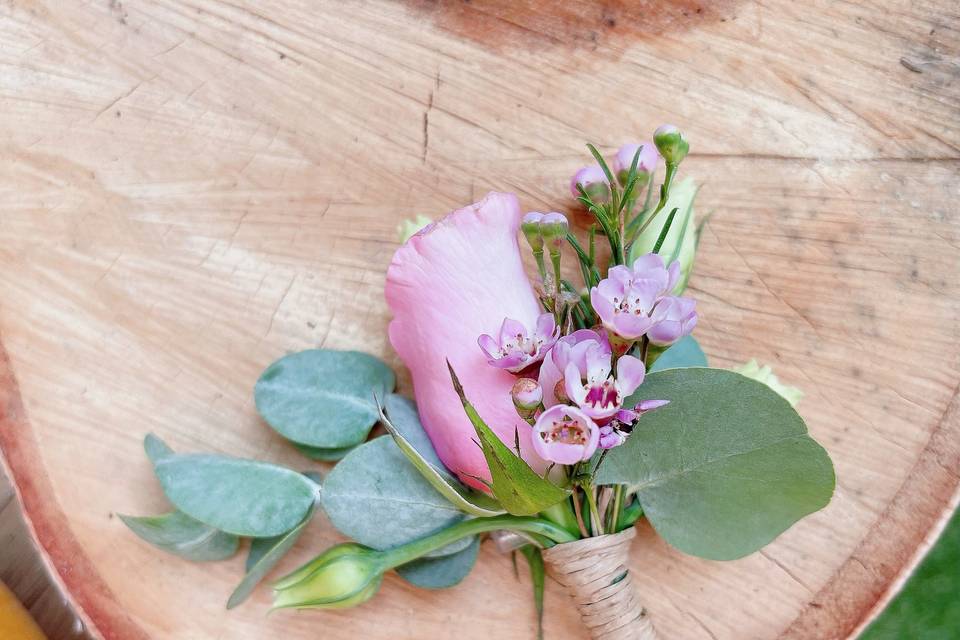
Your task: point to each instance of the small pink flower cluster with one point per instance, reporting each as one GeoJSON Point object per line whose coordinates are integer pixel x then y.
{"type": "Point", "coordinates": [581, 382]}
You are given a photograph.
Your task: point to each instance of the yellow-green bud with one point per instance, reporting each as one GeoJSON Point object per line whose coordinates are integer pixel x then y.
{"type": "Point", "coordinates": [765, 374]}
{"type": "Point", "coordinates": [412, 226]}
{"type": "Point", "coordinates": [343, 576]}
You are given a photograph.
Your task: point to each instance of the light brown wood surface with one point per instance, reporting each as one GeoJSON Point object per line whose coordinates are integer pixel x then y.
{"type": "Point", "coordinates": [191, 188]}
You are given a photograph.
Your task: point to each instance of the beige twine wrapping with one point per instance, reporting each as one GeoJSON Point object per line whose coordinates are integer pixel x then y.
{"type": "Point", "coordinates": [589, 568]}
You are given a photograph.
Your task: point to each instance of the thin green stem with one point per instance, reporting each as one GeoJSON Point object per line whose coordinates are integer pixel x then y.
{"type": "Point", "coordinates": [413, 550]}
{"type": "Point", "coordinates": [596, 523]}
{"type": "Point", "coordinates": [664, 194]}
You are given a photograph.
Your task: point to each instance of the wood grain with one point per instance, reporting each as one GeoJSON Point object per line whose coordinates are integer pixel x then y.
{"type": "Point", "coordinates": [191, 188]}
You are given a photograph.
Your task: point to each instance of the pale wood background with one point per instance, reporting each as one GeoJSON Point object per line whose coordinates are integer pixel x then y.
{"type": "Point", "coordinates": [191, 188]}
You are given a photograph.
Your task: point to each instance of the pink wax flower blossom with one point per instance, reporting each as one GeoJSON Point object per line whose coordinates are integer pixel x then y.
{"type": "Point", "coordinates": [646, 163]}
{"type": "Point", "coordinates": [598, 393]}
{"type": "Point", "coordinates": [569, 348]}
{"type": "Point", "coordinates": [565, 435]}
{"type": "Point", "coordinates": [594, 182]}
{"type": "Point", "coordinates": [673, 318]}
{"type": "Point", "coordinates": [614, 433]}
{"type": "Point", "coordinates": [453, 281]}
{"type": "Point", "coordinates": [517, 348]}
{"type": "Point", "coordinates": [626, 299]}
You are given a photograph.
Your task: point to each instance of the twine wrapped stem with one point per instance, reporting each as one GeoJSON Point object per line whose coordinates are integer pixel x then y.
{"type": "Point", "coordinates": [594, 571]}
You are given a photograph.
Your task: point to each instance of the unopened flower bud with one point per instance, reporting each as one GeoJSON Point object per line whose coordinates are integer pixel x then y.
{"type": "Point", "coordinates": [530, 226]}
{"type": "Point", "coordinates": [594, 183]}
{"type": "Point", "coordinates": [670, 143]}
{"type": "Point", "coordinates": [560, 392]}
{"type": "Point", "coordinates": [646, 163]}
{"type": "Point", "coordinates": [554, 227]}
{"type": "Point", "coordinates": [527, 397]}
{"type": "Point", "coordinates": [343, 576]}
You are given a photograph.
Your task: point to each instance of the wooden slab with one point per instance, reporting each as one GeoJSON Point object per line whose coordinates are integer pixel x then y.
{"type": "Point", "coordinates": [191, 188]}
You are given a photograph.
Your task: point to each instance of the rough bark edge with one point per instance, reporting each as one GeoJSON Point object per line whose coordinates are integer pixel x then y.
{"type": "Point", "coordinates": [895, 544]}
{"type": "Point", "coordinates": [64, 559]}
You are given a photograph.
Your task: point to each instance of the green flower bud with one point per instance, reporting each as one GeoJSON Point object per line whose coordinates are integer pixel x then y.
{"type": "Point", "coordinates": [765, 374]}
{"type": "Point", "coordinates": [554, 228]}
{"type": "Point", "coordinates": [343, 576]}
{"type": "Point", "coordinates": [530, 226]}
{"type": "Point", "coordinates": [681, 241]}
{"type": "Point", "coordinates": [670, 143]}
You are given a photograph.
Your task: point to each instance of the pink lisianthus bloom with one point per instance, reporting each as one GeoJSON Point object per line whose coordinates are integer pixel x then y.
{"type": "Point", "coordinates": [599, 394]}
{"type": "Point", "coordinates": [569, 348]}
{"type": "Point", "coordinates": [626, 300]}
{"type": "Point", "coordinates": [518, 348]}
{"type": "Point", "coordinates": [565, 435]}
{"type": "Point", "coordinates": [454, 280]}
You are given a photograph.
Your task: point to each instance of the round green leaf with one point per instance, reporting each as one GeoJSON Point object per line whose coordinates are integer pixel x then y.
{"type": "Point", "coordinates": [724, 468]}
{"type": "Point", "coordinates": [323, 398]}
{"type": "Point", "coordinates": [178, 533]}
{"type": "Point", "coordinates": [443, 572]}
{"type": "Point", "coordinates": [685, 352]}
{"type": "Point", "coordinates": [378, 498]}
{"type": "Point", "coordinates": [243, 497]}
{"type": "Point", "coordinates": [322, 454]}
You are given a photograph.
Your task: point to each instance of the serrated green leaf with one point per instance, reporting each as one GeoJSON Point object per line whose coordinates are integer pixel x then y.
{"type": "Point", "coordinates": [243, 497]}
{"type": "Point", "coordinates": [518, 488]}
{"type": "Point", "coordinates": [724, 468]}
{"type": "Point", "coordinates": [378, 498]}
{"type": "Point", "coordinates": [265, 553]}
{"type": "Point", "coordinates": [323, 398]}
{"type": "Point", "coordinates": [442, 572]}
{"type": "Point", "coordinates": [181, 535]}
{"type": "Point", "coordinates": [685, 352]}
{"type": "Point", "coordinates": [409, 436]}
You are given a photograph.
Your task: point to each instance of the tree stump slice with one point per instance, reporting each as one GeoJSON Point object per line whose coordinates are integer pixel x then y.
{"type": "Point", "coordinates": [190, 189]}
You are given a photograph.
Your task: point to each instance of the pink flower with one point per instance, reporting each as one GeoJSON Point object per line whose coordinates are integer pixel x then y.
{"type": "Point", "coordinates": [517, 348]}
{"type": "Point", "coordinates": [569, 348]}
{"type": "Point", "coordinates": [565, 435]}
{"type": "Point", "coordinates": [626, 298]}
{"type": "Point", "coordinates": [673, 318]}
{"type": "Point", "coordinates": [598, 393]}
{"type": "Point", "coordinates": [453, 281]}
{"type": "Point", "coordinates": [614, 433]}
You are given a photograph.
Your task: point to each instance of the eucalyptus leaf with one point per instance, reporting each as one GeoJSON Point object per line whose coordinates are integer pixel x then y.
{"type": "Point", "coordinates": [685, 352]}
{"type": "Point", "coordinates": [441, 573]}
{"type": "Point", "coordinates": [179, 534]}
{"type": "Point", "coordinates": [378, 498]}
{"type": "Point", "coordinates": [519, 489]}
{"type": "Point", "coordinates": [724, 468]}
{"type": "Point", "coordinates": [156, 448]}
{"type": "Point", "coordinates": [323, 398]}
{"type": "Point", "coordinates": [265, 553]}
{"type": "Point", "coordinates": [322, 454]}
{"type": "Point", "coordinates": [405, 428]}
{"type": "Point", "coordinates": [243, 497]}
